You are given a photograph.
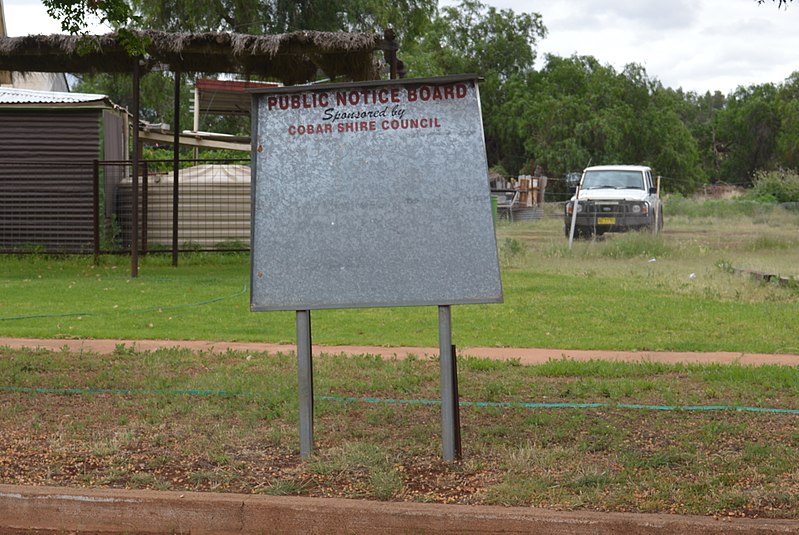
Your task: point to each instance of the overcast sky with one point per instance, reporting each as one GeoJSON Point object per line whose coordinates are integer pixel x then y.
{"type": "Point", "coordinates": [698, 45]}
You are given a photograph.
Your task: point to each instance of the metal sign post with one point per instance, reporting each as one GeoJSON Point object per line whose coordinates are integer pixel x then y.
{"type": "Point", "coordinates": [450, 422]}
{"type": "Point", "coordinates": [305, 381]}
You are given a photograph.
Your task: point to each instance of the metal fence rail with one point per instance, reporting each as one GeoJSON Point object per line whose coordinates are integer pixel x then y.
{"type": "Point", "coordinates": [60, 208]}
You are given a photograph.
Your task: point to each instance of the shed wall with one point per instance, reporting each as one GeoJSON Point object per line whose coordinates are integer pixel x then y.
{"type": "Point", "coordinates": [46, 193]}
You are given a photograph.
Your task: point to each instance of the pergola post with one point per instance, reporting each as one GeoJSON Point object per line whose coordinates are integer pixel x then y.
{"type": "Point", "coordinates": [134, 243]}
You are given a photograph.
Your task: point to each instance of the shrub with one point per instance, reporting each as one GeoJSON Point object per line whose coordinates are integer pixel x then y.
{"type": "Point", "coordinates": [677, 205]}
{"type": "Point", "coordinates": [775, 186]}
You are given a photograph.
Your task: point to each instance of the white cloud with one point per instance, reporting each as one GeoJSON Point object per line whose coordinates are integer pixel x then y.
{"type": "Point", "coordinates": [699, 45]}
{"type": "Point", "coordinates": [28, 17]}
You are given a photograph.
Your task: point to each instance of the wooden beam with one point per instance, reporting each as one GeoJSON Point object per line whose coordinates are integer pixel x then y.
{"type": "Point", "coordinates": [189, 140]}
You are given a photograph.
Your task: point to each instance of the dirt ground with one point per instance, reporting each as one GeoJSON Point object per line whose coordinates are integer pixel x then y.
{"type": "Point", "coordinates": [24, 454]}
{"type": "Point", "coordinates": [524, 355]}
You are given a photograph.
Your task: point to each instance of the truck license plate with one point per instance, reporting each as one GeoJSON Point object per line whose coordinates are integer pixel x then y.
{"type": "Point", "coordinates": [605, 220]}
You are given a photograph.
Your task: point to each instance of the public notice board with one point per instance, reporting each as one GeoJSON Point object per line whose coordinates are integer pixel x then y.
{"type": "Point", "coordinates": [371, 194]}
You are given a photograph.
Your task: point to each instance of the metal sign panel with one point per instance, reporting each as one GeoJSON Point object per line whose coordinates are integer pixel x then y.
{"type": "Point", "coordinates": [371, 194]}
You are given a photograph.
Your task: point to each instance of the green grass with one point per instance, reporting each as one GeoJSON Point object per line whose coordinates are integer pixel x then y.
{"type": "Point", "coordinates": [227, 421]}
{"type": "Point", "coordinates": [625, 292]}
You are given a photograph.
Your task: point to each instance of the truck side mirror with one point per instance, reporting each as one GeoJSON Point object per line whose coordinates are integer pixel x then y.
{"type": "Point", "coordinates": [652, 191]}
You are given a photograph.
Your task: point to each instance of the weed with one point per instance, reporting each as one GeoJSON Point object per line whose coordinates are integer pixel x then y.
{"type": "Point", "coordinates": [385, 483]}
{"type": "Point", "coordinates": [636, 244]}
{"type": "Point", "coordinates": [141, 480]}
{"type": "Point", "coordinates": [510, 251]}
{"type": "Point", "coordinates": [279, 487]}
{"type": "Point", "coordinates": [680, 461]}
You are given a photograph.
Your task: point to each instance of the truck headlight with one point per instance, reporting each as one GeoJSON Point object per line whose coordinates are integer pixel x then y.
{"type": "Point", "coordinates": [570, 208]}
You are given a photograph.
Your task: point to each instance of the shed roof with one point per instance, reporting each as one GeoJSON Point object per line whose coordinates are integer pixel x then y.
{"type": "Point", "coordinates": [291, 58]}
{"type": "Point", "coordinates": [14, 96]}
{"type": "Point", "coordinates": [225, 97]}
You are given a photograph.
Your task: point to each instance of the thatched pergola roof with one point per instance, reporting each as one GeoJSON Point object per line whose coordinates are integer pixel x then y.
{"type": "Point", "coordinates": [291, 58]}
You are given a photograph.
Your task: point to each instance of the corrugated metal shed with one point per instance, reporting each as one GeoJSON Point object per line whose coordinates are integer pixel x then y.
{"type": "Point", "coordinates": [48, 142]}
{"type": "Point", "coordinates": [13, 96]}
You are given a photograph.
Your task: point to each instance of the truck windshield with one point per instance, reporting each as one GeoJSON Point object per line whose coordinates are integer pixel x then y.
{"type": "Point", "coordinates": [613, 179]}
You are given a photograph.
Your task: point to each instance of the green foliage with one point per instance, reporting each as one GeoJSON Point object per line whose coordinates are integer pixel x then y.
{"type": "Point", "coordinates": [474, 37]}
{"type": "Point", "coordinates": [407, 17]}
{"type": "Point", "coordinates": [74, 14]}
{"type": "Point", "coordinates": [498, 45]}
{"type": "Point", "coordinates": [779, 186]}
{"type": "Point", "coordinates": [748, 128]}
{"type": "Point", "coordinates": [679, 205]}
{"type": "Point", "coordinates": [187, 156]}
{"type": "Point", "coordinates": [585, 112]}
{"type": "Point", "coordinates": [156, 90]}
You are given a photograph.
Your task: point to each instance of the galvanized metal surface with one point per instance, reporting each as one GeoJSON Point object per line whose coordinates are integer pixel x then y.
{"type": "Point", "coordinates": [305, 381]}
{"type": "Point", "coordinates": [10, 95]}
{"type": "Point", "coordinates": [450, 432]}
{"type": "Point", "coordinates": [372, 195]}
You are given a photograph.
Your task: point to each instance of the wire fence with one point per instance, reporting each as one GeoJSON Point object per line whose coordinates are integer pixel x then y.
{"type": "Point", "coordinates": [47, 206]}
{"type": "Point", "coordinates": [67, 208]}
{"type": "Point", "coordinates": [58, 208]}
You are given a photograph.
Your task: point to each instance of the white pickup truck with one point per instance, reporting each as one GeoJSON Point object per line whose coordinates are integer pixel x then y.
{"type": "Point", "coordinates": [614, 198]}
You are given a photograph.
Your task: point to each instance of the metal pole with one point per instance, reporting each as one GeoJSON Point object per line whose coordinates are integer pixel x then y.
{"type": "Point", "coordinates": [655, 227]}
{"type": "Point", "coordinates": [145, 202]}
{"type": "Point", "coordinates": [196, 123]}
{"type": "Point", "coordinates": [305, 380]}
{"type": "Point", "coordinates": [175, 170]}
{"type": "Point", "coordinates": [574, 216]}
{"type": "Point", "coordinates": [96, 209]}
{"type": "Point", "coordinates": [134, 243]}
{"type": "Point", "coordinates": [449, 431]}
{"type": "Point", "coordinates": [456, 404]}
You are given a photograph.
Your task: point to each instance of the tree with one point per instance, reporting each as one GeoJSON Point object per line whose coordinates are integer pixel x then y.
{"type": "Point", "coordinates": [668, 144]}
{"type": "Point", "coordinates": [407, 17]}
{"type": "Point", "coordinates": [787, 140]}
{"type": "Point", "coordinates": [73, 15]}
{"type": "Point", "coordinates": [499, 46]}
{"type": "Point", "coordinates": [578, 111]}
{"type": "Point", "coordinates": [748, 128]}
{"type": "Point", "coordinates": [473, 37]}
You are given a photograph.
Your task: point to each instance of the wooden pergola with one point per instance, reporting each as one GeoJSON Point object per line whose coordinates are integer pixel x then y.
{"type": "Point", "coordinates": [291, 58]}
